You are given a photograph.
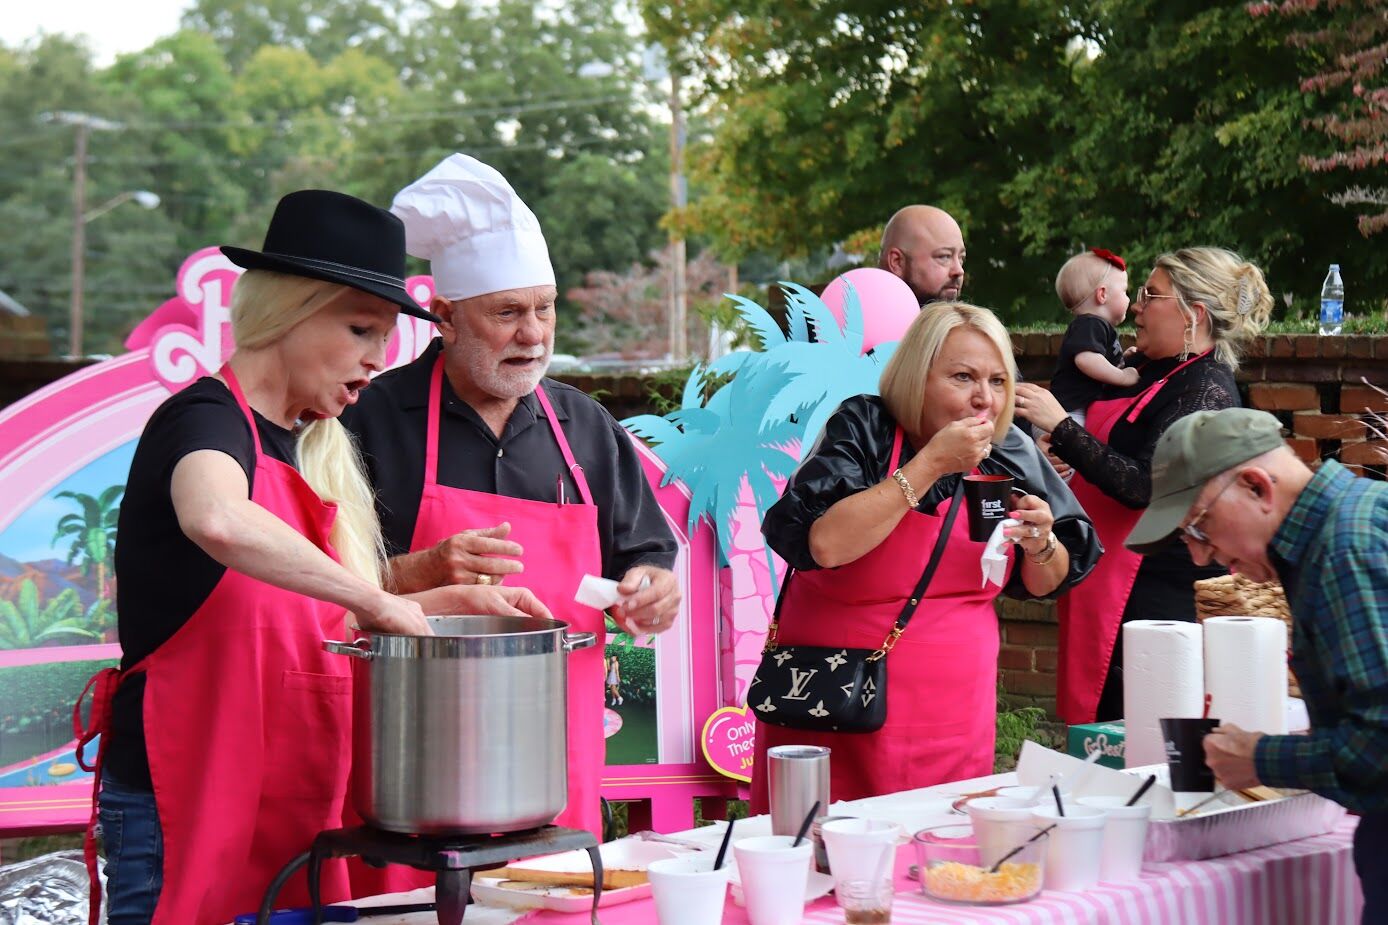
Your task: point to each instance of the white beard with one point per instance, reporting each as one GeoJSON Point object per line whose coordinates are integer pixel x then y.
{"type": "Point", "coordinates": [485, 369]}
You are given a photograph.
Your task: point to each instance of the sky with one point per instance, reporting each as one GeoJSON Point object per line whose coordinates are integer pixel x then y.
{"type": "Point", "coordinates": [30, 537]}
{"type": "Point", "coordinates": [112, 28]}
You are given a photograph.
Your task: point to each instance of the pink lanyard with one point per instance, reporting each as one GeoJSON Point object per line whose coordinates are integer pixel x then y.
{"type": "Point", "coordinates": [1151, 392]}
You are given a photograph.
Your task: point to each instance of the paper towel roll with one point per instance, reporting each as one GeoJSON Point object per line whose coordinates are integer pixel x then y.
{"type": "Point", "coordinates": [1246, 672]}
{"type": "Point", "coordinates": [1163, 675]}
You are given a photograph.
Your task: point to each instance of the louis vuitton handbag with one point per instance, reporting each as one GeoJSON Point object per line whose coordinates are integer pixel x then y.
{"type": "Point", "coordinates": [825, 689]}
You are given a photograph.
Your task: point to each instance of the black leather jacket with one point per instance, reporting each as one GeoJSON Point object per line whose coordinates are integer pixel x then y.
{"type": "Point", "coordinates": [851, 455]}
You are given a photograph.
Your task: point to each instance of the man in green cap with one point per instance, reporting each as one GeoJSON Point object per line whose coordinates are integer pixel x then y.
{"type": "Point", "coordinates": [1231, 489]}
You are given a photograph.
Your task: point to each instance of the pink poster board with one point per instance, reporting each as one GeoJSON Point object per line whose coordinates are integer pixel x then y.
{"type": "Point", "coordinates": [64, 454]}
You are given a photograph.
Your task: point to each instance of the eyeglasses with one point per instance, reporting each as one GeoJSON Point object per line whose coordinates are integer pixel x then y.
{"type": "Point", "coordinates": [1193, 529]}
{"type": "Point", "coordinates": [1145, 295]}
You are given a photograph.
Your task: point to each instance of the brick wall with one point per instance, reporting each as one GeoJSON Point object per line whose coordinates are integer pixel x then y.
{"type": "Point", "coordinates": [1315, 387]}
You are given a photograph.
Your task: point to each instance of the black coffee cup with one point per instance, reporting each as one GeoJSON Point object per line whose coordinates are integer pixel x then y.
{"type": "Point", "coordinates": [1185, 754]}
{"type": "Point", "coordinates": [986, 497]}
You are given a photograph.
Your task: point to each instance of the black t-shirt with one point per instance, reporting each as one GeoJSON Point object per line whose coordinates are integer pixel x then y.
{"type": "Point", "coordinates": [389, 424]}
{"type": "Point", "coordinates": [163, 577]}
{"type": "Point", "coordinates": [1086, 334]}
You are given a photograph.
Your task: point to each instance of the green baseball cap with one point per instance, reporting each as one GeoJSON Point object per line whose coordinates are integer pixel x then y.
{"type": "Point", "coordinates": [1194, 450]}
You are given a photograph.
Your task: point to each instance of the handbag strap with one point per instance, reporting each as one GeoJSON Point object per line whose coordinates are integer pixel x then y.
{"type": "Point", "coordinates": [908, 610]}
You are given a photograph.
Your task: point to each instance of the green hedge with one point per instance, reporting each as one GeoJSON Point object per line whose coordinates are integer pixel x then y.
{"type": "Point", "coordinates": [31, 694]}
{"type": "Point", "coordinates": [638, 673]}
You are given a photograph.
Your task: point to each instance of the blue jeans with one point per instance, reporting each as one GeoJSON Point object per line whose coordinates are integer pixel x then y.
{"type": "Point", "coordinates": [1371, 863]}
{"type": "Point", "coordinates": [134, 846]}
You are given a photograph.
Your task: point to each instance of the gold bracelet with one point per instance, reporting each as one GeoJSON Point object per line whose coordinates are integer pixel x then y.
{"type": "Point", "coordinates": [906, 489]}
{"type": "Point", "coordinates": [1046, 555]}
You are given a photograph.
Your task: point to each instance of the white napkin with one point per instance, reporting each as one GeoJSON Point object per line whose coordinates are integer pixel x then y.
{"type": "Point", "coordinates": [995, 560]}
{"type": "Point", "coordinates": [602, 593]}
{"type": "Point", "coordinates": [599, 593]}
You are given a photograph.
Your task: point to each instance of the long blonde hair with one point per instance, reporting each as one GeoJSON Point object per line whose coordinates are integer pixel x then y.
{"type": "Point", "coordinates": [903, 381]}
{"type": "Point", "coordinates": [1232, 289]}
{"type": "Point", "coordinates": [264, 307]}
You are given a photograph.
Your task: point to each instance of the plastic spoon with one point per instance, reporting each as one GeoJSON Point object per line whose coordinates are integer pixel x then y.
{"type": "Point", "coordinates": [1146, 785]}
{"type": "Point", "coordinates": [723, 848]}
{"type": "Point", "coordinates": [805, 826]}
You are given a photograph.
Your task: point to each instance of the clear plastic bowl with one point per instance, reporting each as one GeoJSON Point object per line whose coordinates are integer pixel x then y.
{"type": "Point", "coordinates": [950, 870]}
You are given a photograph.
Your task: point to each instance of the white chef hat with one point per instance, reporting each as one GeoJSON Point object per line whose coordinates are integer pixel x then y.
{"type": "Point", "coordinates": [467, 221]}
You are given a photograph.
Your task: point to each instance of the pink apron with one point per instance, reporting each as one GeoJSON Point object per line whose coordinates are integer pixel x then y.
{"type": "Point", "coordinates": [561, 546]}
{"type": "Point", "coordinates": [1091, 612]}
{"type": "Point", "coordinates": [248, 728]}
{"type": "Point", "coordinates": [941, 678]}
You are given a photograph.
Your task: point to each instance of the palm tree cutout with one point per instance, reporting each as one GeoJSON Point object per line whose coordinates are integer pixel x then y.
{"type": "Point", "coordinates": [93, 532]}
{"type": "Point", "coordinates": [736, 448]}
{"type": "Point", "coordinates": [820, 373]}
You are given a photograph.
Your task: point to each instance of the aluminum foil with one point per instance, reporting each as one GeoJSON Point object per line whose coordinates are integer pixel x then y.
{"type": "Point", "coordinates": [49, 890]}
{"type": "Point", "coordinates": [1242, 828]}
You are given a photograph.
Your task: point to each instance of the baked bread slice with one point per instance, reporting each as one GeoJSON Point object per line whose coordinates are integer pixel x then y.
{"type": "Point", "coordinates": [612, 878]}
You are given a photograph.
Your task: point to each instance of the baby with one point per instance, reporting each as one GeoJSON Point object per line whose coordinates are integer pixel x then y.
{"type": "Point", "coordinates": [1093, 287]}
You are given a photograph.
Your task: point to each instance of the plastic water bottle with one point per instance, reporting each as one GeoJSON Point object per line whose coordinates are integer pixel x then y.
{"type": "Point", "coordinates": [1332, 301]}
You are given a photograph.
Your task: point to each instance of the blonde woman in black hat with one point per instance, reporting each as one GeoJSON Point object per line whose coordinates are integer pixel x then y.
{"type": "Point", "coordinates": [247, 536]}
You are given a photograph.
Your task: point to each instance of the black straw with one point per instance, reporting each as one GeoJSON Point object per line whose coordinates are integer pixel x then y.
{"type": "Point", "coordinates": [1146, 785]}
{"type": "Point", "coordinates": [1017, 850]}
{"type": "Point", "coordinates": [1059, 806]}
{"type": "Point", "coordinates": [723, 848]}
{"type": "Point", "coordinates": [805, 826]}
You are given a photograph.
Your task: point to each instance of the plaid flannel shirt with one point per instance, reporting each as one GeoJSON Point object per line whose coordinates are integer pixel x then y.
{"type": "Point", "coordinates": [1332, 555]}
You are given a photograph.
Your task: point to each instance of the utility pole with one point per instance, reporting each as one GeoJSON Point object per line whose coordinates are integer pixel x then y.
{"type": "Point", "coordinates": [84, 124]}
{"type": "Point", "coordinates": [679, 197]}
{"type": "Point", "coordinates": [79, 240]}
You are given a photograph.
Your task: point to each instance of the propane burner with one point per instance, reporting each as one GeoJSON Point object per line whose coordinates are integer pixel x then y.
{"type": "Point", "coordinates": [453, 858]}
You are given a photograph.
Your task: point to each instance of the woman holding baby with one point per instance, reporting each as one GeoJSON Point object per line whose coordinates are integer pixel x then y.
{"type": "Point", "coordinates": [1195, 315]}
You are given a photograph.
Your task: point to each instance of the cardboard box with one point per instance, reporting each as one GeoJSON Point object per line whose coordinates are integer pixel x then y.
{"type": "Point", "coordinates": [1106, 736]}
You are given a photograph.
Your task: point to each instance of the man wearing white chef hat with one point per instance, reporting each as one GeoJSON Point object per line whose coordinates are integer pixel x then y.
{"type": "Point", "coordinates": [486, 471]}
{"type": "Point", "coordinates": [1227, 484]}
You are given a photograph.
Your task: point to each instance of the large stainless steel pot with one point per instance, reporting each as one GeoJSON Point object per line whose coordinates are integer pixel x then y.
{"type": "Point", "coordinates": [462, 732]}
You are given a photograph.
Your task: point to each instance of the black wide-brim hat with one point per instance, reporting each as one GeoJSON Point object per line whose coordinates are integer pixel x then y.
{"type": "Point", "coordinates": [338, 238]}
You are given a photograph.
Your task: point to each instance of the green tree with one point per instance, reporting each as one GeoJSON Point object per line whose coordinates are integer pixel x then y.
{"type": "Point", "coordinates": [126, 251]}
{"type": "Point", "coordinates": [93, 532]}
{"type": "Point", "coordinates": [255, 98]}
{"type": "Point", "coordinates": [829, 116]}
{"type": "Point", "coordinates": [601, 213]}
{"type": "Point", "coordinates": [1186, 130]}
{"type": "Point", "coordinates": [1352, 41]}
{"type": "Point", "coordinates": [185, 111]}
{"type": "Point", "coordinates": [323, 28]}
{"type": "Point", "coordinates": [1133, 124]}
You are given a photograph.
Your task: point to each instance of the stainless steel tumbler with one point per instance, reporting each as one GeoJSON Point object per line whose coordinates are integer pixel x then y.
{"type": "Point", "coordinates": [797, 776]}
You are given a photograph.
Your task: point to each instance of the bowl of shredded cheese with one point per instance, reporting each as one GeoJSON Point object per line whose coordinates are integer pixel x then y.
{"type": "Point", "coordinates": [951, 870]}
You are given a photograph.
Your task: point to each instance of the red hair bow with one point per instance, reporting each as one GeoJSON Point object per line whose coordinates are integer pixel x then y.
{"type": "Point", "coordinates": [1109, 257]}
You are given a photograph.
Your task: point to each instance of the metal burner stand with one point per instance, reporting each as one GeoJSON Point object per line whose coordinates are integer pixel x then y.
{"type": "Point", "coordinates": [452, 857]}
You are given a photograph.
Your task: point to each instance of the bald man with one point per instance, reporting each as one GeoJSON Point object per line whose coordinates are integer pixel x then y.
{"type": "Point", "coordinates": [924, 246]}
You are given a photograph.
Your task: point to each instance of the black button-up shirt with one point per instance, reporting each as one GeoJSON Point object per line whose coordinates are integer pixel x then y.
{"type": "Point", "coordinates": [389, 424]}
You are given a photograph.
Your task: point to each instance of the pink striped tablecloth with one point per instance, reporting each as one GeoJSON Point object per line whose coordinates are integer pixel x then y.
{"type": "Point", "coordinates": [1306, 882]}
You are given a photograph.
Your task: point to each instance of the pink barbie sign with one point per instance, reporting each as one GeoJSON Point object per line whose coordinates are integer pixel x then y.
{"type": "Point", "coordinates": [64, 455]}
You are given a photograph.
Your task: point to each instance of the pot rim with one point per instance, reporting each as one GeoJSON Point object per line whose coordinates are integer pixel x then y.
{"type": "Point", "coordinates": [541, 626]}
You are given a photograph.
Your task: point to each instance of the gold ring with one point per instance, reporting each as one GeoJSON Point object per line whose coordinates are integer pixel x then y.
{"type": "Point", "coordinates": [483, 579]}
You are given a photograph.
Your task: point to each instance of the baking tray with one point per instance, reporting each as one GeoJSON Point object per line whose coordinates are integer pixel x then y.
{"type": "Point", "coordinates": [625, 853]}
{"type": "Point", "coordinates": [1240, 828]}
